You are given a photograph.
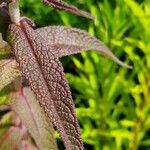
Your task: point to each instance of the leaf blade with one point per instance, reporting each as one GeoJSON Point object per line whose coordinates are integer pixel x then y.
{"type": "Point", "coordinates": [68, 41]}
{"type": "Point", "coordinates": [11, 136]}
{"type": "Point", "coordinates": [23, 102]}
{"type": "Point", "coordinates": [59, 4]}
{"type": "Point", "coordinates": [30, 54]}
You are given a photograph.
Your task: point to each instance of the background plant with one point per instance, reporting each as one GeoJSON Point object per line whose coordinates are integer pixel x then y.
{"type": "Point", "coordinates": [113, 102]}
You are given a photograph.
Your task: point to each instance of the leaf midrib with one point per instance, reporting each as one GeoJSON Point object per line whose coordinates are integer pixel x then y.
{"type": "Point", "coordinates": [40, 69]}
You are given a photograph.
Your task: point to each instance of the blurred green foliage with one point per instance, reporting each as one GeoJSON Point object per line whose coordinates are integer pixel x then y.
{"type": "Point", "coordinates": [112, 103]}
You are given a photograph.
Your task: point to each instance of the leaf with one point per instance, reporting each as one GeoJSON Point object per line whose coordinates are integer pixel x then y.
{"type": "Point", "coordinates": [24, 103]}
{"type": "Point", "coordinates": [12, 137]}
{"type": "Point", "coordinates": [2, 42]}
{"type": "Point", "coordinates": [67, 41]}
{"type": "Point", "coordinates": [13, 134]}
{"type": "Point", "coordinates": [27, 144]}
{"type": "Point", "coordinates": [46, 78]}
{"type": "Point", "coordinates": [8, 72]}
{"type": "Point", "coordinates": [4, 47]}
{"type": "Point", "coordinates": [59, 4]}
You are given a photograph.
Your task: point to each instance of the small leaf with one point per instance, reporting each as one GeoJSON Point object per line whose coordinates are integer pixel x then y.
{"type": "Point", "coordinates": [4, 47]}
{"type": "Point", "coordinates": [34, 118]}
{"type": "Point", "coordinates": [59, 4]}
{"type": "Point", "coordinates": [12, 137]}
{"type": "Point", "coordinates": [8, 72]}
{"type": "Point", "coordinates": [66, 41]}
{"type": "Point", "coordinates": [2, 42]}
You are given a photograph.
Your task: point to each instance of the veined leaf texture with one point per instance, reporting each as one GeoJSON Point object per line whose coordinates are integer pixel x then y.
{"type": "Point", "coordinates": [12, 137]}
{"type": "Point", "coordinates": [59, 4]}
{"type": "Point", "coordinates": [46, 78]}
{"type": "Point", "coordinates": [37, 53]}
{"type": "Point", "coordinates": [68, 41]}
{"type": "Point", "coordinates": [25, 105]}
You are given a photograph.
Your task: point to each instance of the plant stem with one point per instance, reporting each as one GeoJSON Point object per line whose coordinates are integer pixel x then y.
{"type": "Point", "coordinates": [14, 11]}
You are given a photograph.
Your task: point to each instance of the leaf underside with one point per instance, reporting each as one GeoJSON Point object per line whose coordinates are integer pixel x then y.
{"type": "Point", "coordinates": [67, 41]}
{"type": "Point", "coordinates": [16, 137]}
{"type": "Point", "coordinates": [46, 78]}
{"type": "Point", "coordinates": [11, 137]}
{"type": "Point", "coordinates": [24, 103]}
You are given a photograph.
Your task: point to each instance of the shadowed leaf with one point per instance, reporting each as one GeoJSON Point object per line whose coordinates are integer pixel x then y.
{"type": "Point", "coordinates": [59, 4]}
{"type": "Point", "coordinates": [27, 144]}
{"type": "Point", "coordinates": [46, 78]}
{"type": "Point", "coordinates": [8, 72]}
{"type": "Point", "coordinates": [2, 42]}
{"type": "Point", "coordinates": [4, 47]}
{"type": "Point", "coordinates": [12, 137]}
{"type": "Point", "coordinates": [13, 134]}
{"type": "Point", "coordinates": [66, 41]}
{"type": "Point", "coordinates": [23, 102]}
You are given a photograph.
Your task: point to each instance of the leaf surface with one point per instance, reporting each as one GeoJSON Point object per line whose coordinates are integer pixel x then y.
{"type": "Point", "coordinates": [8, 72]}
{"type": "Point", "coordinates": [66, 41]}
{"type": "Point", "coordinates": [46, 78]}
{"type": "Point", "coordinates": [4, 47]}
{"type": "Point", "coordinates": [10, 138]}
{"type": "Point", "coordinates": [59, 4]}
{"type": "Point", "coordinates": [24, 103]}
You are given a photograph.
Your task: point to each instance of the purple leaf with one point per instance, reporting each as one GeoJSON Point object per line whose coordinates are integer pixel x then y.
{"type": "Point", "coordinates": [27, 144]}
{"type": "Point", "coordinates": [46, 78]}
{"type": "Point", "coordinates": [59, 4]}
{"type": "Point", "coordinates": [12, 137]}
{"type": "Point", "coordinates": [66, 41]}
{"type": "Point", "coordinates": [24, 103]}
